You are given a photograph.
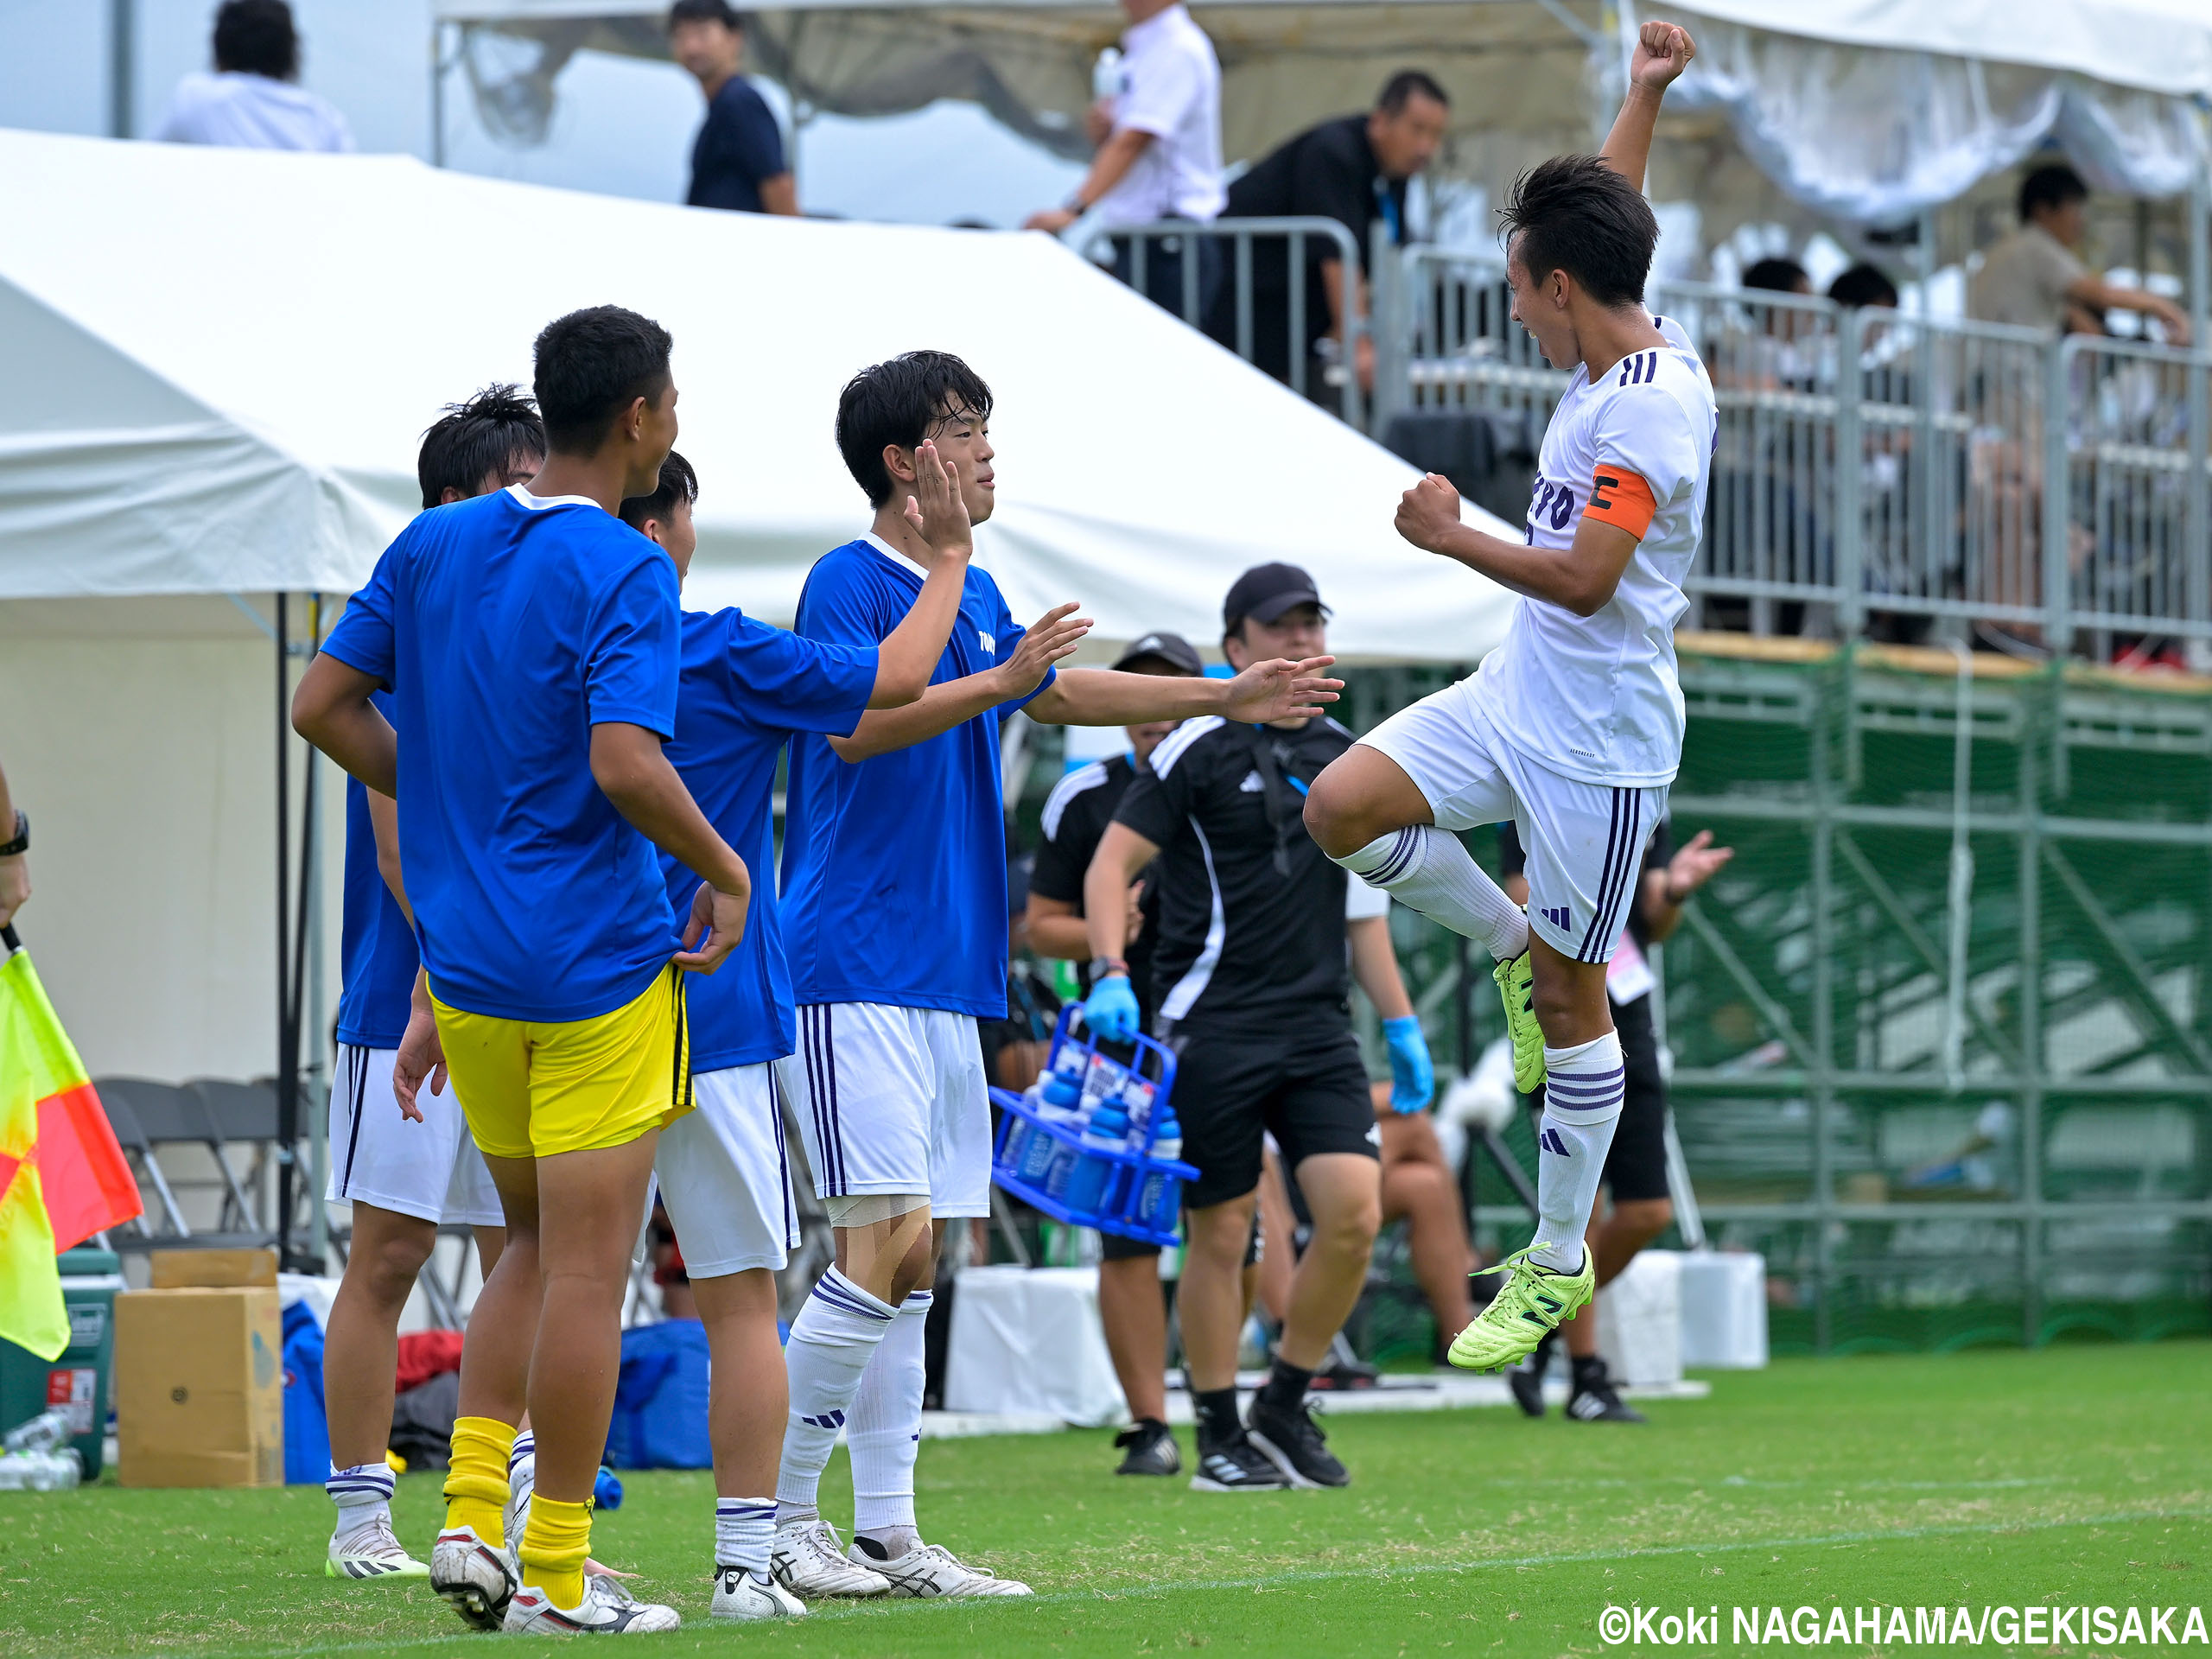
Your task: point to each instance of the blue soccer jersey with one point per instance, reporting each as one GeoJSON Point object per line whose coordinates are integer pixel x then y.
{"type": "Point", "coordinates": [508, 626]}
{"type": "Point", "coordinates": [748, 688]}
{"type": "Point", "coordinates": [894, 868]}
{"type": "Point", "coordinates": [376, 958]}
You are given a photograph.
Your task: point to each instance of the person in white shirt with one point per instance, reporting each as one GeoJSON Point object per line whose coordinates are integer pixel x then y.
{"type": "Point", "coordinates": [1159, 153]}
{"type": "Point", "coordinates": [251, 100]}
{"type": "Point", "coordinates": [1572, 727]}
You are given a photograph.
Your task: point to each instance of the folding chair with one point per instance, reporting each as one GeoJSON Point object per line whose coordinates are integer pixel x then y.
{"type": "Point", "coordinates": [130, 1135]}
{"type": "Point", "coordinates": [235, 1113]}
{"type": "Point", "coordinates": [160, 1114]}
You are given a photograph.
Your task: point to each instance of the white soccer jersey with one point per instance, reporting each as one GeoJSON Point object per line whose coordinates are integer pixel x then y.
{"type": "Point", "coordinates": [1596, 698]}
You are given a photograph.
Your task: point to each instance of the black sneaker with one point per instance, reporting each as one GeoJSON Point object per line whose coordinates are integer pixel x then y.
{"type": "Point", "coordinates": [1526, 1379]}
{"type": "Point", "coordinates": [1594, 1400]}
{"type": "Point", "coordinates": [1341, 1373]}
{"type": "Point", "coordinates": [1293, 1441]}
{"type": "Point", "coordinates": [1236, 1466]}
{"type": "Point", "coordinates": [1147, 1448]}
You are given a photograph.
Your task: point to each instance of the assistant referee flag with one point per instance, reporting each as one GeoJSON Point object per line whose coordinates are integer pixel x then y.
{"type": "Point", "coordinates": [62, 1176]}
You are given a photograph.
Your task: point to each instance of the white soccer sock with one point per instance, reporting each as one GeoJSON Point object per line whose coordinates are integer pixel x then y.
{"type": "Point", "coordinates": [743, 1527]}
{"type": "Point", "coordinates": [839, 1326]}
{"type": "Point", "coordinates": [525, 1446]}
{"type": "Point", "coordinates": [1582, 1102]}
{"type": "Point", "coordinates": [363, 1494]}
{"type": "Point", "coordinates": [1430, 870]}
{"type": "Point", "coordinates": [886, 1432]}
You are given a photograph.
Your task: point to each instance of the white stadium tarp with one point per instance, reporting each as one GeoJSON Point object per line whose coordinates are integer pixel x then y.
{"type": "Point", "coordinates": [214, 367]}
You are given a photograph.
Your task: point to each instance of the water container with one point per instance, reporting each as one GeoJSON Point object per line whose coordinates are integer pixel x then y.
{"type": "Point", "coordinates": [1106, 74]}
{"type": "Point", "coordinates": [41, 1471]}
{"type": "Point", "coordinates": [1018, 1132]}
{"type": "Point", "coordinates": [1161, 1205]}
{"type": "Point", "coordinates": [1091, 1178]}
{"type": "Point", "coordinates": [1060, 1104]}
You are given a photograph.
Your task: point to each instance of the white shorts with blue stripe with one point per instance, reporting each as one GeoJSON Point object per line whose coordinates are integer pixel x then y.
{"type": "Point", "coordinates": [1584, 842]}
{"type": "Point", "coordinates": [725, 1175]}
{"type": "Point", "coordinates": [893, 1100]}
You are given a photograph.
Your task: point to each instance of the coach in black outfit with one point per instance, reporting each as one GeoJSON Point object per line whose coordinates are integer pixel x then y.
{"type": "Point", "coordinates": [737, 161]}
{"type": "Point", "coordinates": [1249, 970]}
{"type": "Point", "coordinates": [1353, 169]}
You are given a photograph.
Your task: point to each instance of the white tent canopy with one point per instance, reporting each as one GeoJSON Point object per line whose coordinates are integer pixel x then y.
{"type": "Point", "coordinates": [217, 382]}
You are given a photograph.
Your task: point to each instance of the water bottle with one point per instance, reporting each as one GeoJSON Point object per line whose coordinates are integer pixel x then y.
{"type": "Point", "coordinates": [1163, 1192]}
{"type": "Point", "coordinates": [1090, 1178]}
{"type": "Point", "coordinates": [50, 1428]}
{"type": "Point", "coordinates": [1018, 1131]}
{"type": "Point", "coordinates": [41, 1471]}
{"type": "Point", "coordinates": [1060, 1102]}
{"type": "Point", "coordinates": [1106, 74]}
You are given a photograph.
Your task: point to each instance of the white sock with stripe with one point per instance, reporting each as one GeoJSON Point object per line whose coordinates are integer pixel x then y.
{"type": "Point", "coordinates": [1582, 1102]}
{"type": "Point", "coordinates": [830, 1341]}
{"type": "Point", "coordinates": [1430, 870]}
{"type": "Point", "coordinates": [885, 1435]}
{"type": "Point", "coordinates": [743, 1528]}
{"type": "Point", "coordinates": [362, 1495]}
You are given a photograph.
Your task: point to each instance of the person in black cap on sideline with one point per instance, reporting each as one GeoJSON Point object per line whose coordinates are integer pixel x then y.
{"type": "Point", "coordinates": [1250, 969]}
{"type": "Point", "coordinates": [1131, 1305]}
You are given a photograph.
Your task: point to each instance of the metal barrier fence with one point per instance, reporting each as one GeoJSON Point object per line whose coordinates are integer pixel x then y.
{"type": "Point", "coordinates": [1868, 463]}
{"type": "Point", "coordinates": [1248, 268]}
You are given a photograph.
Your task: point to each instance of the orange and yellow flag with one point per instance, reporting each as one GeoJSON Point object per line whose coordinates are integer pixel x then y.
{"type": "Point", "coordinates": [62, 1176]}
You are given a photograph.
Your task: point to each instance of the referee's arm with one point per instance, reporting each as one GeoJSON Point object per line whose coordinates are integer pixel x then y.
{"type": "Point", "coordinates": [1121, 854]}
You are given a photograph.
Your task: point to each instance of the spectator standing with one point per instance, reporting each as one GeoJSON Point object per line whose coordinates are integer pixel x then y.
{"type": "Point", "coordinates": [251, 100]}
{"type": "Point", "coordinates": [1635, 1164]}
{"type": "Point", "coordinates": [1160, 152]}
{"type": "Point", "coordinates": [2034, 278]}
{"type": "Point", "coordinates": [14, 842]}
{"type": "Point", "coordinates": [1353, 169]}
{"type": "Point", "coordinates": [737, 161]}
{"type": "Point", "coordinates": [1863, 285]}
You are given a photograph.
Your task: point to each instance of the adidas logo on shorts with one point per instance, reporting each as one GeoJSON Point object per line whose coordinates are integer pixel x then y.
{"type": "Point", "coordinates": [1557, 916]}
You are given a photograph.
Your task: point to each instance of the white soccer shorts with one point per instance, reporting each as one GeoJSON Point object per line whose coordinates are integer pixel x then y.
{"type": "Point", "coordinates": [1584, 842]}
{"type": "Point", "coordinates": [891, 1100]}
{"type": "Point", "coordinates": [430, 1170]}
{"type": "Point", "coordinates": [725, 1175]}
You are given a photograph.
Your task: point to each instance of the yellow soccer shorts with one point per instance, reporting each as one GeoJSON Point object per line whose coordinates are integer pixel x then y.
{"type": "Point", "coordinates": [536, 1089]}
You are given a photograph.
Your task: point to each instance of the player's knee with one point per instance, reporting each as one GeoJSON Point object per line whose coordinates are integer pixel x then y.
{"type": "Point", "coordinates": [1220, 1233]}
{"type": "Point", "coordinates": [1334, 816]}
{"type": "Point", "coordinates": [1643, 1219]}
{"type": "Point", "coordinates": [1347, 1230]}
{"type": "Point", "coordinates": [388, 1268]}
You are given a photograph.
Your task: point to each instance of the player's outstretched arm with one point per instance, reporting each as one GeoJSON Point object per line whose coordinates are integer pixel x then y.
{"type": "Point", "coordinates": [331, 710]}
{"type": "Point", "coordinates": [909, 655]}
{"type": "Point", "coordinates": [1277, 690]}
{"type": "Point", "coordinates": [631, 770]}
{"type": "Point", "coordinates": [940, 708]}
{"type": "Point", "coordinates": [1662, 52]}
{"type": "Point", "coordinates": [1581, 579]}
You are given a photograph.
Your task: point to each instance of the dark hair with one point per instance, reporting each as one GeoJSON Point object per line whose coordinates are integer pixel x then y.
{"type": "Point", "coordinates": [487, 434]}
{"type": "Point", "coordinates": [592, 365]}
{"type": "Point", "coordinates": [1575, 214]}
{"type": "Point", "coordinates": [677, 482]}
{"type": "Point", "coordinates": [1863, 284]}
{"type": "Point", "coordinates": [256, 37]}
{"type": "Point", "coordinates": [900, 401]}
{"type": "Point", "coordinates": [704, 11]}
{"type": "Point", "coordinates": [1408, 83]}
{"type": "Point", "coordinates": [1777, 276]}
{"type": "Point", "coordinates": [2053, 186]}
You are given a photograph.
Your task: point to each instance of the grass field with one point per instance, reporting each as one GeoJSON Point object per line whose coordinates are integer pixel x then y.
{"type": "Point", "coordinates": [2075, 1475]}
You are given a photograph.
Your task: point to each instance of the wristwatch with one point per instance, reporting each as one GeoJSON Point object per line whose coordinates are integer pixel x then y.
{"type": "Point", "coordinates": [23, 841]}
{"type": "Point", "coordinates": [1102, 967]}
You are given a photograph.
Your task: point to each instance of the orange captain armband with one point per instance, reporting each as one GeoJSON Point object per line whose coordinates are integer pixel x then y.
{"type": "Point", "coordinates": [1620, 498]}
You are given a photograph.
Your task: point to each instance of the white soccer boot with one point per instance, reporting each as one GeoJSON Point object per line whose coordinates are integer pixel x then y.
{"type": "Point", "coordinates": [477, 1579]}
{"type": "Point", "coordinates": [806, 1560]}
{"type": "Point", "coordinates": [606, 1610]}
{"type": "Point", "coordinates": [742, 1595]}
{"type": "Point", "coordinates": [372, 1551]}
{"type": "Point", "coordinates": [933, 1570]}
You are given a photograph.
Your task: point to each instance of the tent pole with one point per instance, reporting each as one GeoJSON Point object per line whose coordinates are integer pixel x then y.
{"type": "Point", "coordinates": [437, 92]}
{"type": "Point", "coordinates": [121, 66]}
{"type": "Point", "coordinates": [318, 1094]}
{"type": "Point", "coordinates": [287, 1058]}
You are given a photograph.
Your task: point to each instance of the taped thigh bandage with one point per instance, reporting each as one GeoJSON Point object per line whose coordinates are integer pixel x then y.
{"type": "Point", "coordinates": [869, 1209]}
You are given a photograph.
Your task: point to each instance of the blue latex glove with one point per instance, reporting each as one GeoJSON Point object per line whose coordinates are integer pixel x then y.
{"type": "Point", "coordinates": [1412, 1078]}
{"type": "Point", "coordinates": [1110, 1010]}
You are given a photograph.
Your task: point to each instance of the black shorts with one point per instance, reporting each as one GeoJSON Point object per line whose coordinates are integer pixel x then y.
{"type": "Point", "coordinates": [1302, 1081]}
{"type": "Point", "coordinates": [1636, 1168]}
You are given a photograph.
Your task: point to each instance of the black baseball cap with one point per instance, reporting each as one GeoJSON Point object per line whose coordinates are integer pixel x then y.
{"type": "Point", "coordinates": [1265, 592]}
{"type": "Point", "coordinates": [1172, 649]}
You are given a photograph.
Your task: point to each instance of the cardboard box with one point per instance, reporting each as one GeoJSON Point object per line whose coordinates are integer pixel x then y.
{"type": "Point", "coordinates": [199, 1387]}
{"type": "Point", "coordinates": [187, 1270]}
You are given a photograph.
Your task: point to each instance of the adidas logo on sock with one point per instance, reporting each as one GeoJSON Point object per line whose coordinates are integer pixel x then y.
{"type": "Point", "coordinates": [828, 1420]}
{"type": "Point", "coordinates": [1550, 1141]}
{"type": "Point", "coordinates": [1557, 916]}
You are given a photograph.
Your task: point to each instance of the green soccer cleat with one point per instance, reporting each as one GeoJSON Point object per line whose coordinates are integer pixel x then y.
{"type": "Point", "coordinates": [1528, 1307]}
{"type": "Point", "coordinates": [1516, 983]}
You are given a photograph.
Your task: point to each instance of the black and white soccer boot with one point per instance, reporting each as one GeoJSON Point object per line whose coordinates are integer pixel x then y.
{"type": "Point", "coordinates": [1526, 1379]}
{"type": "Point", "coordinates": [1236, 1466]}
{"type": "Point", "coordinates": [1594, 1400]}
{"type": "Point", "coordinates": [606, 1610]}
{"type": "Point", "coordinates": [739, 1594]}
{"type": "Point", "coordinates": [1294, 1442]}
{"type": "Point", "coordinates": [475, 1578]}
{"type": "Point", "coordinates": [1147, 1447]}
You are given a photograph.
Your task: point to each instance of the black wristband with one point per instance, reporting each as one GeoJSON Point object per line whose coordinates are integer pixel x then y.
{"type": "Point", "coordinates": [21, 842]}
{"type": "Point", "coordinates": [1105, 967]}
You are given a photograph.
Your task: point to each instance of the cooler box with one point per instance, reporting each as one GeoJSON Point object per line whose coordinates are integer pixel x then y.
{"type": "Point", "coordinates": [1724, 1310]}
{"type": "Point", "coordinates": [1640, 1321]}
{"type": "Point", "coordinates": [1027, 1341]}
{"type": "Point", "coordinates": [79, 1379]}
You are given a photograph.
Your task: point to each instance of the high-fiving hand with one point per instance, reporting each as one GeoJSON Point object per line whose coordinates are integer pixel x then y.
{"type": "Point", "coordinates": [1282, 689]}
{"type": "Point", "coordinates": [1051, 637]}
{"type": "Point", "coordinates": [937, 510]}
{"type": "Point", "coordinates": [1662, 52]}
{"type": "Point", "coordinates": [1696, 863]}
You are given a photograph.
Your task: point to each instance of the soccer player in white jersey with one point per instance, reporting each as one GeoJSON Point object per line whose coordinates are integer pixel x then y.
{"type": "Point", "coordinates": [1572, 728]}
